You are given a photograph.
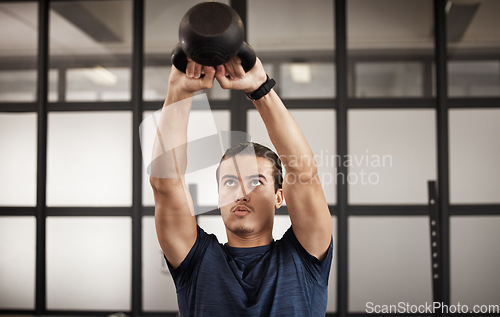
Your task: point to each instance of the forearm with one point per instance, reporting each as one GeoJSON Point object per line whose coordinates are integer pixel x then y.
{"type": "Point", "coordinates": [286, 135]}
{"type": "Point", "coordinates": [169, 159]}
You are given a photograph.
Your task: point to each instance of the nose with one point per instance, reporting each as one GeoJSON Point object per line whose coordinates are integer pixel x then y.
{"type": "Point", "coordinates": [241, 194]}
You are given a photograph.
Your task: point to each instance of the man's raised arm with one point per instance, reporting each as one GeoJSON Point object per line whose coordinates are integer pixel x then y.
{"type": "Point", "coordinates": [307, 206]}
{"type": "Point", "coordinates": [174, 215]}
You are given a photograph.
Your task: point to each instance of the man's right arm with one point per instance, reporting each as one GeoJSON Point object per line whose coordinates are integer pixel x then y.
{"type": "Point", "coordinates": [174, 216]}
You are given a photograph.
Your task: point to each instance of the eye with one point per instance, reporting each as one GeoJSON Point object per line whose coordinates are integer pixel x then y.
{"type": "Point", "coordinates": [230, 183]}
{"type": "Point", "coordinates": [255, 182]}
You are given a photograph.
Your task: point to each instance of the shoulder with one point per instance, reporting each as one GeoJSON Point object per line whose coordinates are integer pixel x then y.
{"type": "Point", "coordinates": [205, 245]}
{"type": "Point", "coordinates": [289, 237]}
{"type": "Point", "coordinates": [290, 240]}
{"type": "Point", "coordinates": [297, 255]}
{"type": "Point", "coordinates": [204, 242]}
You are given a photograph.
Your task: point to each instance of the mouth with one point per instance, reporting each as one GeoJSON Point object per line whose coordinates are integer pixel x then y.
{"type": "Point", "coordinates": [241, 210]}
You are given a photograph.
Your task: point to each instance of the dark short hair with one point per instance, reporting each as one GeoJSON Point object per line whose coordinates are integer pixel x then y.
{"type": "Point", "coordinates": [260, 151]}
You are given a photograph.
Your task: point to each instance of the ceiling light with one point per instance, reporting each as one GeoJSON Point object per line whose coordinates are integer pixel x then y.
{"type": "Point", "coordinates": [301, 72]}
{"type": "Point", "coordinates": [100, 76]}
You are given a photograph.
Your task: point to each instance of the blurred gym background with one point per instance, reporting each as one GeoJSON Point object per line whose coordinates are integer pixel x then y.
{"type": "Point", "coordinates": [408, 91]}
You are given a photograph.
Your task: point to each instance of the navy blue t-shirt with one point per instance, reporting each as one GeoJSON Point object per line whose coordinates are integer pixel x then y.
{"type": "Point", "coordinates": [278, 279]}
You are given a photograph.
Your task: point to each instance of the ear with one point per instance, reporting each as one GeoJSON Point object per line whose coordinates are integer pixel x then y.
{"type": "Point", "coordinates": [279, 199]}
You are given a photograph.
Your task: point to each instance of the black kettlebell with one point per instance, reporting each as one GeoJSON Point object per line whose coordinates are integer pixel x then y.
{"type": "Point", "coordinates": [211, 34]}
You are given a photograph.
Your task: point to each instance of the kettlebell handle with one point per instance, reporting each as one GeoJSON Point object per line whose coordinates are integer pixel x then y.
{"type": "Point", "coordinates": [245, 53]}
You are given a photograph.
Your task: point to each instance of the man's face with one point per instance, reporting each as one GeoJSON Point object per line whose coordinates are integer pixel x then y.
{"type": "Point", "coordinates": [247, 199]}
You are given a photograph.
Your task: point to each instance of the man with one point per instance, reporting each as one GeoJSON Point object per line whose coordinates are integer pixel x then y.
{"type": "Point", "coordinates": [251, 275]}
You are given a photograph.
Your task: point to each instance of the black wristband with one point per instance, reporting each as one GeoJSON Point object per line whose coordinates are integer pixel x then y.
{"type": "Point", "coordinates": [263, 90]}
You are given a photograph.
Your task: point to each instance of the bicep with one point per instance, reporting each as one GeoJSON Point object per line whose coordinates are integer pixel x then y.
{"type": "Point", "coordinates": [174, 220]}
{"type": "Point", "coordinates": [310, 215]}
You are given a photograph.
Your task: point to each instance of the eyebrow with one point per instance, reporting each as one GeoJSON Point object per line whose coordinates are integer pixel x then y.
{"type": "Point", "coordinates": [230, 176]}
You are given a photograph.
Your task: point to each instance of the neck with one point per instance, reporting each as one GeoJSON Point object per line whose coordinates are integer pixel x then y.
{"type": "Point", "coordinates": [248, 240]}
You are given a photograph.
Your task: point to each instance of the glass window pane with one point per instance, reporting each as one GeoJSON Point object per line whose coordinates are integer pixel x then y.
{"type": "Point", "coordinates": [473, 26]}
{"type": "Point", "coordinates": [202, 123]}
{"type": "Point", "coordinates": [18, 34]}
{"type": "Point", "coordinates": [269, 68]}
{"type": "Point", "coordinates": [89, 159]}
{"type": "Point", "coordinates": [388, 30]}
{"type": "Point", "coordinates": [390, 24]}
{"type": "Point", "coordinates": [318, 127]}
{"type": "Point", "coordinates": [217, 93]}
{"type": "Point", "coordinates": [474, 78]}
{"type": "Point", "coordinates": [157, 283]}
{"type": "Point", "coordinates": [96, 36]}
{"type": "Point", "coordinates": [296, 25]}
{"type": "Point", "coordinates": [98, 84]}
{"type": "Point", "coordinates": [155, 85]}
{"type": "Point", "coordinates": [474, 153]}
{"type": "Point", "coordinates": [473, 31]}
{"type": "Point", "coordinates": [18, 51]}
{"type": "Point", "coordinates": [281, 225]}
{"type": "Point", "coordinates": [89, 263]}
{"type": "Point", "coordinates": [17, 263]}
{"type": "Point", "coordinates": [389, 261]}
{"type": "Point", "coordinates": [392, 155]}
{"type": "Point", "coordinates": [307, 80]}
{"type": "Point", "coordinates": [20, 85]}
{"type": "Point", "coordinates": [389, 79]}
{"type": "Point", "coordinates": [213, 224]}
{"type": "Point", "coordinates": [18, 159]}
{"type": "Point", "coordinates": [475, 260]}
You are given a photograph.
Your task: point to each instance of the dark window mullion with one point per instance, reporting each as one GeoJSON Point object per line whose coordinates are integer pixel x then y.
{"type": "Point", "coordinates": [238, 101]}
{"type": "Point", "coordinates": [341, 123]}
{"type": "Point", "coordinates": [442, 142]}
{"type": "Point", "coordinates": [41, 192]}
{"type": "Point", "coordinates": [137, 96]}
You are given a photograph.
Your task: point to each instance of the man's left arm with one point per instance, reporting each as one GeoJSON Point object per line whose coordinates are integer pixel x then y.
{"type": "Point", "coordinates": [307, 206]}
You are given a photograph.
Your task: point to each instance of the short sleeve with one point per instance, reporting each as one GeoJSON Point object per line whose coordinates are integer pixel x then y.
{"type": "Point", "coordinates": [186, 271]}
{"type": "Point", "coordinates": [319, 270]}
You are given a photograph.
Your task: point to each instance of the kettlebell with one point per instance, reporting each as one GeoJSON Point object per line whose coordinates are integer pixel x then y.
{"type": "Point", "coordinates": [211, 34]}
